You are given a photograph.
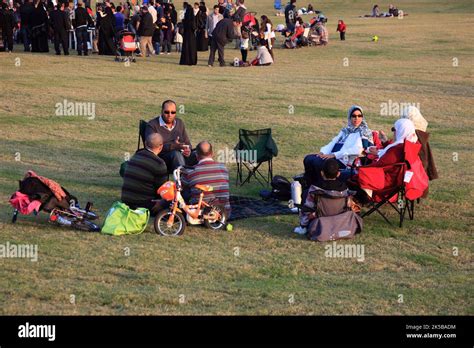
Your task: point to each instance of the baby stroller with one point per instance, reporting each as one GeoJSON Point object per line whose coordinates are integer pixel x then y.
{"type": "Point", "coordinates": [126, 46]}
{"type": "Point", "coordinates": [38, 193]}
{"type": "Point", "coordinates": [250, 26]}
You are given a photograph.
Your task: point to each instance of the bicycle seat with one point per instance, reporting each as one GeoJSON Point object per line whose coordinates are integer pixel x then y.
{"type": "Point", "coordinates": [204, 188]}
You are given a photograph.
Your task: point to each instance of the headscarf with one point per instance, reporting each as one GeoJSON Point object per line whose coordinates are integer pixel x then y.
{"type": "Point", "coordinates": [413, 114]}
{"type": "Point", "coordinates": [405, 130]}
{"type": "Point", "coordinates": [363, 128]}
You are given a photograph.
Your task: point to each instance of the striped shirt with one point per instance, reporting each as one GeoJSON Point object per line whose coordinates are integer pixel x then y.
{"type": "Point", "coordinates": [144, 174]}
{"type": "Point", "coordinates": [209, 172]}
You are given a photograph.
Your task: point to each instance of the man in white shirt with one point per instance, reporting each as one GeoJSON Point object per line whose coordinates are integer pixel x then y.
{"type": "Point", "coordinates": [152, 10]}
{"type": "Point", "coordinates": [212, 21]}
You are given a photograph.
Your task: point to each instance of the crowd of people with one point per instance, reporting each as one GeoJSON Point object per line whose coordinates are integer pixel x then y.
{"type": "Point", "coordinates": [157, 25]}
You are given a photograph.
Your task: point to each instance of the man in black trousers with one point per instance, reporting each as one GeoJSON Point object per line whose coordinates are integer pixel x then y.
{"type": "Point", "coordinates": [59, 22]}
{"type": "Point", "coordinates": [226, 30]}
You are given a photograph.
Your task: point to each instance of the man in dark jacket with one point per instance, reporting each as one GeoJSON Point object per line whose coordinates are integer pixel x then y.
{"type": "Point", "coordinates": [60, 25]}
{"type": "Point", "coordinates": [290, 16]}
{"type": "Point", "coordinates": [241, 10]}
{"type": "Point", "coordinates": [25, 11]}
{"type": "Point", "coordinates": [7, 22]}
{"type": "Point", "coordinates": [80, 22]}
{"type": "Point", "coordinates": [226, 30]}
{"type": "Point", "coordinates": [176, 144]}
{"type": "Point", "coordinates": [146, 28]}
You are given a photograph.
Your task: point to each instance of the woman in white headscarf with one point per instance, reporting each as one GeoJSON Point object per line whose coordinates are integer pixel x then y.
{"type": "Point", "coordinates": [344, 147]}
{"type": "Point", "coordinates": [404, 129]}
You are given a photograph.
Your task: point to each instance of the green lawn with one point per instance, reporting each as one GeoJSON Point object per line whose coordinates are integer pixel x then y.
{"type": "Point", "coordinates": [260, 267]}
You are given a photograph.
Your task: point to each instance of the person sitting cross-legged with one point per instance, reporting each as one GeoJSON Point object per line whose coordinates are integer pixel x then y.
{"type": "Point", "coordinates": [176, 144]}
{"type": "Point", "coordinates": [144, 174]}
{"type": "Point", "coordinates": [207, 172]}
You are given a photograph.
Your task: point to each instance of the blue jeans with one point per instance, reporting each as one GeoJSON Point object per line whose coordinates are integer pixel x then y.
{"type": "Point", "coordinates": [313, 165]}
{"type": "Point", "coordinates": [157, 47]}
{"type": "Point", "coordinates": [81, 37]}
{"type": "Point", "coordinates": [26, 38]}
{"type": "Point", "coordinates": [175, 159]}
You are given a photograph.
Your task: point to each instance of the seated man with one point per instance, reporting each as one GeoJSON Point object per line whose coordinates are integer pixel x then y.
{"type": "Point", "coordinates": [144, 174]}
{"type": "Point", "coordinates": [176, 144]}
{"type": "Point", "coordinates": [207, 172]}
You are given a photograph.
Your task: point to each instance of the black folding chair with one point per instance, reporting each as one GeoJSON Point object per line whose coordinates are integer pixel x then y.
{"type": "Point", "coordinates": [253, 149]}
{"type": "Point", "coordinates": [141, 134]}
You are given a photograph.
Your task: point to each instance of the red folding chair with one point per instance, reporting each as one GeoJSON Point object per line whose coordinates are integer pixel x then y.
{"type": "Point", "coordinates": [397, 185]}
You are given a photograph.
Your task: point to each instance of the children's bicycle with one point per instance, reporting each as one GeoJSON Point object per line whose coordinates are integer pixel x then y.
{"type": "Point", "coordinates": [171, 222]}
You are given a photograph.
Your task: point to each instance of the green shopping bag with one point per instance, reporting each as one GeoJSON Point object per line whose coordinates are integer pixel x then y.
{"type": "Point", "coordinates": [122, 220]}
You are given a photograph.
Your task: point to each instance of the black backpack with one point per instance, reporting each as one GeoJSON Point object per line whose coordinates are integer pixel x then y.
{"type": "Point", "coordinates": [281, 188]}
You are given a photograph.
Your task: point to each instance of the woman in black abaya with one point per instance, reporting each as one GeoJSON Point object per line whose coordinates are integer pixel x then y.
{"type": "Point", "coordinates": [201, 20]}
{"type": "Point", "coordinates": [106, 25]}
{"type": "Point", "coordinates": [189, 51]}
{"type": "Point", "coordinates": [39, 28]}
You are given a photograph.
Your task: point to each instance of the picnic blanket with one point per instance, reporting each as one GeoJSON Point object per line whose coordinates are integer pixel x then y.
{"type": "Point", "coordinates": [247, 207]}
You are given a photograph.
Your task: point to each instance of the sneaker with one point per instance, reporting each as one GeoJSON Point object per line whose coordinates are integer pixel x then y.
{"type": "Point", "coordinates": [210, 66]}
{"type": "Point", "coordinates": [300, 230]}
{"type": "Point", "coordinates": [168, 53]}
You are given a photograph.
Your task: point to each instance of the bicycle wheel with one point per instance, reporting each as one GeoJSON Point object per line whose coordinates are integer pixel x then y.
{"type": "Point", "coordinates": [219, 223]}
{"type": "Point", "coordinates": [84, 225]}
{"type": "Point", "coordinates": [161, 224]}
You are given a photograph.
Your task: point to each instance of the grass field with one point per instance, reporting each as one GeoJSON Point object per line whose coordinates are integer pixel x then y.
{"type": "Point", "coordinates": [426, 58]}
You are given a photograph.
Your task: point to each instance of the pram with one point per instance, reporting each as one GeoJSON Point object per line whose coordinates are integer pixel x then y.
{"type": "Point", "coordinates": [250, 26]}
{"type": "Point", "coordinates": [37, 193]}
{"type": "Point", "coordinates": [126, 45]}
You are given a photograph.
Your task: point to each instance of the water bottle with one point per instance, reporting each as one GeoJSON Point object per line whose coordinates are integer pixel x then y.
{"type": "Point", "coordinates": [60, 220]}
{"type": "Point", "coordinates": [296, 192]}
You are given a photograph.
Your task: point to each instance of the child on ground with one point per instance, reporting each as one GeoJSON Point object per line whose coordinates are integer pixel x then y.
{"type": "Point", "coordinates": [330, 174]}
{"type": "Point", "coordinates": [244, 45]}
{"type": "Point", "coordinates": [341, 28]}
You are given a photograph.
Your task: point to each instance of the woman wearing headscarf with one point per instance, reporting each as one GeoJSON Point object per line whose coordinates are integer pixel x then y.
{"type": "Point", "coordinates": [189, 51]}
{"type": "Point", "coordinates": [404, 132]}
{"type": "Point", "coordinates": [413, 113]}
{"type": "Point", "coordinates": [106, 25]}
{"type": "Point", "coordinates": [201, 20]}
{"type": "Point", "coordinates": [403, 129]}
{"type": "Point", "coordinates": [39, 28]}
{"type": "Point", "coordinates": [344, 147]}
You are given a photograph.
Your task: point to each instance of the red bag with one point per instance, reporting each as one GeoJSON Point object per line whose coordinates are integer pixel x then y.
{"type": "Point", "coordinates": [418, 182]}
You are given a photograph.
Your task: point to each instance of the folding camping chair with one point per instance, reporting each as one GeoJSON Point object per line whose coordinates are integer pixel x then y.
{"type": "Point", "coordinates": [398, 194]}
{"type": "Point", "coordinates": [254, 148]}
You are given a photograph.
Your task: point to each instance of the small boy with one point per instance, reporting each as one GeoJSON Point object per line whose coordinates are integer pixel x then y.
{"type": "Point", "coordinates": [178, 39]}
{"type": "Point", "coordinates": [244, 45]}
{"type": "Point", "coordinates": [329, 181]}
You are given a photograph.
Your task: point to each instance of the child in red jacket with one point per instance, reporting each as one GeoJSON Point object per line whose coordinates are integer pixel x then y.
{"type": "Point", "coordinates": [341, 28]}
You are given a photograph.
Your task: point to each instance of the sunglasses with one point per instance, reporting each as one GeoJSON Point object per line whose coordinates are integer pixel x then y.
{"type": "Point", "coordinates": [357, 116]}
{"type": "Point", "coordinates": [169, 112]}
